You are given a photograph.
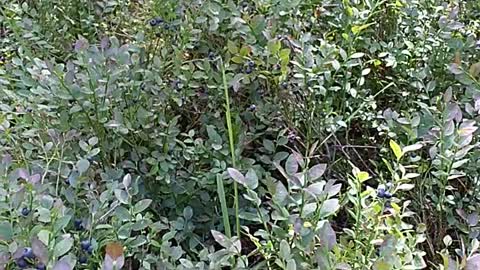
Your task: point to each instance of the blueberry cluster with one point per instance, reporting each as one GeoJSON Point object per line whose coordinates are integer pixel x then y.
{"type": "Point", "coordinates": [87, 247]}
{"type": "Point", "coordinates": [156, 21]}
{"type": "Point", "coordinates": [27, 260]}
{"type": "Point", "coordinates": [383, 192]}
{"type": "Point", "coordinates": [250, 66]}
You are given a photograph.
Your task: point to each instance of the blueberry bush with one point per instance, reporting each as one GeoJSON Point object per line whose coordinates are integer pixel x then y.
{"type": "Point", "coordinates": [214, 134]}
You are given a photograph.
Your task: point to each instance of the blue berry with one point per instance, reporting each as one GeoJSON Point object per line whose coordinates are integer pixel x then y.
{"type": "Point", "coordinates": [248, 70]}
{"type": "Point", "coordinates": [388, 195]}
{"type": "Point", "coordinates": [90, 250]}
{"type": "Point", "coordinates": [82, 260]}
{"type": "Point", "coordinates": [389, 185]}
{"type": "Point", "coordinates": [284, 85]}
{"type": "Point", "coordinates": [153, 22]}
{"type": "Point", "coordinates": [252, 107]}
{"type": "Point", "coordinates": [251, 63]}
{"type": "Point", "coordinates": [22, 263]}
{"type": "Point", "coordinates": [77, 223]}
{"type": "Point", "coordinates": [41, 266]}
{"type": "Point", "coordinates": [25, 211]}
{"type": "Point", "coordinates": [85, 244]}
{"type": "Point", "coordinates": [28, 253]}
{"type": "Point", "coordinates": [388, 204]}
{"type": "Point", "coordinates": [381, 193]}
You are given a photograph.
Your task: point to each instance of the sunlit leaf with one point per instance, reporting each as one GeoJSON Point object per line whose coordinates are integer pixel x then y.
{"type": "Point", "coordinates": [397, 150]}
{"type": "Point", "coordinates": [291, 165]}
{"type": "Point", "coordinates": [316, 171]}
{"type": "Point", "coordinates": [237, 176]}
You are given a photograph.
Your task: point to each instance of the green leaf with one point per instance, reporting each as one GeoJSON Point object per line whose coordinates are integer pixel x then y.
{"type": "Point", "coordinates": [362, 176]}
{"type": "Point", "coordinates": [139, 241]}
{"type": "Point", "coordinates": [382, 265]}
{"type": "Point", "coordinates": [237, 176]}
{"type": "Point", "coordinates": [61, 223]}
{"type": "Point", "coordinates": [274, 46]}
{"type": "Point", "coordinates": [291, 165]}
{"type": "Point", "coordinates": [335, 64]}
{"type": "Point", "coordinates": [251, 179]}
{"type": "Point", "coordinates": [44, 215]}
{"type": "Point", "coordinates": [397, 150]}
{"type": "Point", "coordinates": [141, 206]}
{"type": "Point", "coordinates": [82, 165]}
{"type": "Point", "coordinates": [63, 247]}
{"type": "Point", "coordinates": [316, 188]}
{"type": "Point", "coordinates": [357, 55]}
{"type": "Point", "coordinates": [269, 146]}
{"type": "Point", "coordinates": [316, 171]}
{"type": "Point", "coordinates": [291, 265]}
{"type": "Point", "coordinates": [188, 213]}
{"type": "Point", "coordinates": [232, 48]}
{"type": "Point", "coordinates": [356, 29]}
{"type": "Point", "coordinates": [327, 235]}
{"type": "Point", "coordinates": [413, 147]}
{"type": "Point", "coordinates": [329, 207]}
{"type": "Point", "coordinates": [223, 240]}
{"type": "Point", "coordinates": [121, 195]}
{"type": "Point", "coordinates": [122, 213]}
{"type": "Point", "coordinates": [213, 135]}
{"type": "Point", "coordinates": [284, 250]}
{"type": "Point", "coordinates": [6, 231]}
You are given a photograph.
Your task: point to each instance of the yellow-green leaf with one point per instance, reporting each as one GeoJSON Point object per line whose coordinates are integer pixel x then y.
{"type": "Point", "coordinates": [362, 176]}
{"type": "Point", "coordinates": [381, 265]}
{"type": "Point", "coordinates": [475, 69]}
{"type": "Point", "coordinates": [232, 48]}
{"type": "Point", "coordinates": [397, 150]}
{"type": "Point", "coordinates": [358, 28]}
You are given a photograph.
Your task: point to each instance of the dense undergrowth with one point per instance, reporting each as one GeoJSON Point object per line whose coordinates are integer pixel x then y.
{"type": "Point", "coordinates": [213, 134]}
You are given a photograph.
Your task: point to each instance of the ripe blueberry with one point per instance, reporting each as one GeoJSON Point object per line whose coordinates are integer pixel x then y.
{"type": "Point", "coordinates": [251, 63]}
{"type": "Point", "coordinates": [82, 260]}
{"type": "Point", "coordinates": [284, 85]}
{"type": "Point", "coordinates": [28, 253]}
{"type": "Point", "coordinates": [25, 211]}
{"type": "Point", "coordinates": [248, 70]}
{"type": "Point", "coordinates": [90, 250]}
{"type": "Point", "coordinates": [388, 195]}
{"type": "Point", "coordinates": [381, 193]}
{"type": "Point", "coordinates": [22, 263]}
{"type": "Point", "coordinates": [77, 223]}
{"type": "Point", "coordinates": [153, 22]}
{"type": "Point", "coordinates": [252, 107]}
{"type": "Point", "coordinates": [85, 244]}
{"type": "Point", "coordinates": [41, 266]}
